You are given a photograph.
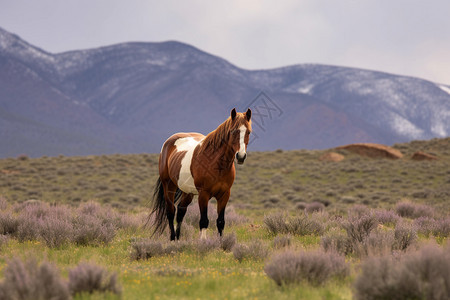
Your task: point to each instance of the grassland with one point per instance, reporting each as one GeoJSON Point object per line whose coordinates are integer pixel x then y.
{"type": "Point", "coordinates": [267, 183]}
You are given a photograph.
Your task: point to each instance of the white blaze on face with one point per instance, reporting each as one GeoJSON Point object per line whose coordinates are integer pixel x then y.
{"type": "Point", "coordinates": [185, 179]}
{"type": "Point", "coordinates": [242, 131]}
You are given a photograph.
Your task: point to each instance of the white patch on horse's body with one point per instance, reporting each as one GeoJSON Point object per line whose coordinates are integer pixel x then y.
{"type": "Point", "coordinates": [242, 131]}
{"type": "Point", "coordinates": [185, 179]}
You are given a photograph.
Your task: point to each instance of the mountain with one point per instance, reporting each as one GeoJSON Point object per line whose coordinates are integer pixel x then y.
{"type": "Point", "coordinates": [128, 98]}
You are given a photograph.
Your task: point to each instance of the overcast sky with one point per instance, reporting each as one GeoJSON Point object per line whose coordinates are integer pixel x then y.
{"type": "Point", "coordinates": [408, 37]}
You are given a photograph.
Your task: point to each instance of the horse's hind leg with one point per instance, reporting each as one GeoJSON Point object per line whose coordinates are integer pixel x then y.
{"type": "Point", "coordinates": [203, 198]}
{"type": "Point", "coordinates": [169, 194]}
{"type": "Point", "coordinates": [186, 199]}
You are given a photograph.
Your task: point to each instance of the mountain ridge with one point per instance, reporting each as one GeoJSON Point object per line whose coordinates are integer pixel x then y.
{"type": "Point", "coordinates": [129, 97]}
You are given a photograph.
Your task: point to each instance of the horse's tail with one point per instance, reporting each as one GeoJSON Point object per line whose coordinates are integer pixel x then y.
{"type": "Point", "coordinates": [158, 213]}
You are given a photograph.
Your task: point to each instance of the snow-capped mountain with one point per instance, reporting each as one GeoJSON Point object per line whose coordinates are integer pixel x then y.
{"type": "Point", "coordinates": [130, 97]}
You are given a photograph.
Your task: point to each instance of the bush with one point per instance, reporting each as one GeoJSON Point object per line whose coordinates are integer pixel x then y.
{"type": "Point", "coordinates": [207, 245]}
{"type": "Point", "coordinates": [91, 230]}
{"type": "Point", "coordinates": [413, 210]}
{"type": "Point", "coordinates": [89, 278]}
{"type": "Point", "coordinates": [298, 225]}
{"type": "Point", "coordinates": [386, 217]}
{"type": "Point", "coordinates": [314, 207]}
{"type": "Point", "coordinates": [337, 241]}
{"type": "Point", "coordinates": [228, 241]}
{"type": "Point", "coordinates": [441, 228]}
{"type": "Point", "coordinates": [255, 250]}
{"type": "Point", "coordinates": [404, 236]}
{"type": "Point", "coordinates": [359, 227]}
{"type": "Point", "coordinates": [315, 267]}
{"type": "Point", "coordinates": [282, 241]}
{"type": "Point", "coordinates": [145, 249]}
{"type": "Point", "coordinates": [358, 210]}
{"type": "Point", "coordinates": [9, 224]}
{"type": "Point", "coordinates": [54, 231]}
{"type": "Point", "coordinates": [276, 223]}
{"type": "Point", "coordinates": [424, 274]}
{"type": "Point", "coordinates": [32, 281]}
{"type": "Point", "coordinates": [378, 242]}
{"type": "Point", "coordinates": [425, 225]}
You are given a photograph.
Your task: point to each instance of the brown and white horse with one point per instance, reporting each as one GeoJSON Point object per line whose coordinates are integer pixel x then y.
{"type": "Point", "coordinates": [193, 164]}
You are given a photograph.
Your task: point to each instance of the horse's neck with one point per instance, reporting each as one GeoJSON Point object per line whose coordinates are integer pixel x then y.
{"type": "Point", "coordinates": [222, 155]}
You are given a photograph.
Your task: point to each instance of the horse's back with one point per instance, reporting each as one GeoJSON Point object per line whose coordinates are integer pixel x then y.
{"type": "Point", "coordinates": [175, 159]}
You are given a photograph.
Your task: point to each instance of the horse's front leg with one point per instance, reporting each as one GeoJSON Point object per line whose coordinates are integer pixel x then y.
{"type": "Point", "coordinates": [203, 198]}
{"type": "Point", "coordinates": [222, 201]}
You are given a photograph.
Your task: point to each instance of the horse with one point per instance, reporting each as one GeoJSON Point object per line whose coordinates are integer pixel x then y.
{"type": "Point", "coordinates": [193, 164]}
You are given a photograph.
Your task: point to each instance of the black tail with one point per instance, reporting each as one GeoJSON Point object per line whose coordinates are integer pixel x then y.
{"type": "Point", "coordinates": [159, 208]}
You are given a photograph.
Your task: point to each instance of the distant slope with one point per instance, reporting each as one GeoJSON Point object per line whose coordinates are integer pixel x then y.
{"type": "Point", "coordinates": [130, 97]}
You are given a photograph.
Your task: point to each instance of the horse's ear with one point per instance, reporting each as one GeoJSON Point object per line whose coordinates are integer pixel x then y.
{"type": "Point", "coordinates": [248, 114]}
{"type": "Point", "coordinates": [233, 114]}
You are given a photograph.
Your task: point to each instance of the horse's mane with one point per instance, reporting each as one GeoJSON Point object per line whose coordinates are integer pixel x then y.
{"type": "Point", "coordinates": [216, 138]}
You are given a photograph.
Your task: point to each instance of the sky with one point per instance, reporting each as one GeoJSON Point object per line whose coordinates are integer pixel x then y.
{"type": "Point", "coordinates": [406, 37]}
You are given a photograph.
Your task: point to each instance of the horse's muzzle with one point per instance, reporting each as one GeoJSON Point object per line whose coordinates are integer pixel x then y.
{"type": "Point", "coordinates": [240, 159]}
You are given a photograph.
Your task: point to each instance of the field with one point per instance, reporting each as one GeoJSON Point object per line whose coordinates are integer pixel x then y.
{"type": "Point", "coordinates": [288, 202]}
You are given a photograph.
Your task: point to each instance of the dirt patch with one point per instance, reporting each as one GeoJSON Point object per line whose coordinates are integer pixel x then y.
{"type": "Point", "coordinates": [373, 150]}
{"type": "Point", "coordinates": [419, 155]}
{"type": "Point", "coordinates": [331, 156]}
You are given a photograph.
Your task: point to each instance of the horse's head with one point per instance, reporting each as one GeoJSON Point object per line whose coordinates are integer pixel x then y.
{"type": "Point", "coordinates": [240, 133]}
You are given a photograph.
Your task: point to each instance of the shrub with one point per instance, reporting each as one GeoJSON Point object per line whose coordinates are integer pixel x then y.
{"type": "Point", "coordinates": [378, 242]}
{"type": "Point", "coordinates": [9, 224]}
{"type": "Point", "coordinates": [228, 241]}
{"type": "Point", "coordinates": [404, 236]}
{"type": "Point", "coordinates": [359, 227]}
{"type": "Point", "coordinates": [425, 225]}
{"type": "Point", "coordinates": [179, 246]}
{"type": "Point", "coordinates": [27, 229]}
{"type": "Point", "coordinates": [413, 210]}
{"type": "Point", "coordinates": [304, 225]}
{"type": "Point", "coordinates": [441, 227]}
{"type": "Point", "coordinates": [337, 241]}
{"type": "Point", "coordinates": [92, 230]}
{"type": "Point", "coordinates": [28, 280]}
{"type": "Point", "coordinates": [255, 250]}
{"type": "Point", "coordinates": [89, 278]}
{"type": "Point", "coordinates": [386, 217]}
{"type": "Point", "coordinates": [298, 225]}
{"type": "Point", "coordinates": [207, 245]}
{"type": "Point", "coordinates": [276, 223]}
{"type": "Point", "coordinates": [54, 231]}
{"type": "Point", "coordinates": [358, 210]}
{"type": "Point", "coordinates": [424, 274]}
{"type": "Point", "coordinates": [282, 241]}
{"type": "Point", "coordinates": [145, 249]}
{"type": "Point", "coordinates": [315, 267]}
{"type": "Point", "coordinates": [314, 207]}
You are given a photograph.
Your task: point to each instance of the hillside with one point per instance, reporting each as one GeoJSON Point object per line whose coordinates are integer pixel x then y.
{"type": "Point", "coordinates": [267, 180]}
{"type": "Point", "coordinates": [128, 98]}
